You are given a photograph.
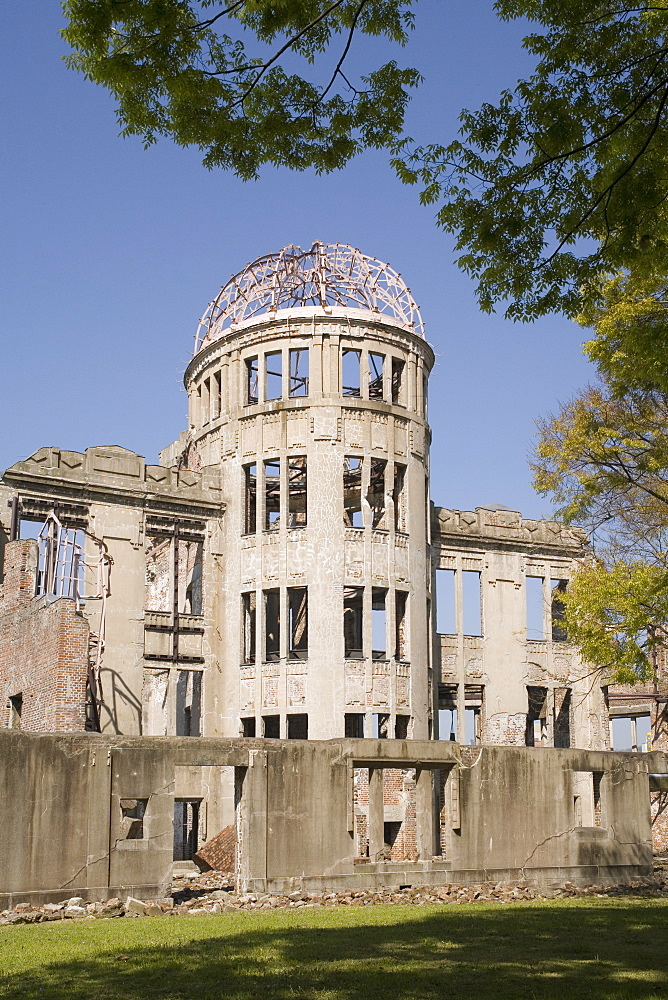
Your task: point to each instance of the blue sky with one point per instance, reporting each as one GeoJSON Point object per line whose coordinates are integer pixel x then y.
{"type": "Point", "coordinates": [111, 254]}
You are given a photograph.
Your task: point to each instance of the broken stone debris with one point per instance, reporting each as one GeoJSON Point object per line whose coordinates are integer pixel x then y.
{"type": "Point", "coordinates": [197, 896]}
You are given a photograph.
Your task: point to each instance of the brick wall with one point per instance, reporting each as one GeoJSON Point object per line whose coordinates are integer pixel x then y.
{"type": "Point", "coordinates": [43, 650]}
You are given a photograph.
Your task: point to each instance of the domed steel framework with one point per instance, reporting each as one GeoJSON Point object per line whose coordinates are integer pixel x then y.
{"type": "Point", "coordinates": [329, 275]}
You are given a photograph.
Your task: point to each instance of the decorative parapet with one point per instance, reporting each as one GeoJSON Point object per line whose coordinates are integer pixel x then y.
{"type": "Point", "coordinates": [499, 527]}
{"type": "Point", "coordinates": [111, 474]}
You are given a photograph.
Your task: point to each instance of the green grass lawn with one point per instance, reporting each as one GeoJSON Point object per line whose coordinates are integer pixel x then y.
{"type": "Point", "coordinates": [591, 948]}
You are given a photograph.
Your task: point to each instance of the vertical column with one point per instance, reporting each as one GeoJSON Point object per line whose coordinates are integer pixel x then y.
{"type": "Point", "coordinates": [424, 814]}
{"type": "Point", "coordinates": [376, 820]}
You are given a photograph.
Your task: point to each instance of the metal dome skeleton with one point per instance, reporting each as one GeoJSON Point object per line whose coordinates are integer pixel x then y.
{"type": "Point", "coordinates": [329, 275]}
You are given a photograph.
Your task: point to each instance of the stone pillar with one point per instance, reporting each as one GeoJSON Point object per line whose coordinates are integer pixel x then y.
{"type": "Point", "coordinates": [376, 821]}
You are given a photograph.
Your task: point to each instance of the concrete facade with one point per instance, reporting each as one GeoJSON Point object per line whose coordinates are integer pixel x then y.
{"type": "Point", "coordinates": [282, 574]}
{"type": "Point", "coordinates": [108, 802]}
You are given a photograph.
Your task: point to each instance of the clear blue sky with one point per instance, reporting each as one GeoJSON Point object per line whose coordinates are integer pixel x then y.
{"type": "Point", "coordinates": [111, 254]}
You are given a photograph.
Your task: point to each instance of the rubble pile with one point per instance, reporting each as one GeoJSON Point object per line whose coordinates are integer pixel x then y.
{"type": "Point", "coordinates": [212, 892]}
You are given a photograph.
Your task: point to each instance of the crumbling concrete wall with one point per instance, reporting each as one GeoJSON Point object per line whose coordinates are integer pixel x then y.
{"type": "Point", "coordinates": [109, 804]}
{"type": "Point", "coordinates": [43, 651]}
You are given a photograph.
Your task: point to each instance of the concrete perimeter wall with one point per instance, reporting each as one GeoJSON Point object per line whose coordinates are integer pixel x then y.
{"type": "Point", "coordinates": [92, 815]}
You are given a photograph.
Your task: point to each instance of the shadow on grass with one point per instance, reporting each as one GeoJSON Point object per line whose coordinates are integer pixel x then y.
{"type": "Point", "coordinates": [521, 951]}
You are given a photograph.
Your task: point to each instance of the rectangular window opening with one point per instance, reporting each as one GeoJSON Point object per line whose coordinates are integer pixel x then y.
{"type": "Point", "coordinates": [188, 703]}
{"type": "Point", "coordinates": [132, 818]}
{"type": "Point", "coordinates": [378, 623]}
{"type": "Point", "coordinates": [354, 726]}
{"type": "Point", "coordinates": [298, 623]}
{"type": "Point", "coordinates": [446, 623]}
{"type": "Point", "coordinates": [15, 710]}
{"type": "Point", "coordinates": [272, 624]}
{"type": "Point", "coordinates": [534, 608]}
{"type": "Point", "coordinates": [472, 601]}
{"type": "Point", "coordinates": [299, 371]}
{"type": "Point", "coordinates": [352, 622]}
{"type": "Point", "coordinates": [447, 712]}
{"type": "Point", "coordinates": [297, 727]}
{"type": "Point", "coordinates": [271, 727]}
{"type": "Point", "coordinates": [376, 494]}
{"type": "Point", "coordinates": [376, 365]}
{"type": "Point", "coordinates": [380, 729]}
{"type": "Point", "coordinates": [631, 732]}
{"type": "Point", "coordinates": [297, 492]}
{"type": "Point", "coordinates": [272, 494]}
{"type": "Point", "coordinates": [400, 625]}
{"type": "Point", "coordinates": [252, 391]}
{"type": "Point", "coordinates": [352, 492]}
{"type": "Point", "coordinates": [401, 727]}
{"type": "Point", "coordinates": [558, 589]}
{"type": "Point", "coordinates": [399, 497]}
{"type": "Point", "coordinates": [216, 397]}
{"type": "Point", "coordinates": [273, 371]}
{"type": "Point", "coordinates": [562, 718]}
{"type": "Point", "coordinates": [250, 499]}
{"type": "Point", "coordinates": [186, 829]}
{"type": "Point", "coordinates": [536, 729]}
{"type": "Point", "coordinates": [248, 604]}
{"type": "Point", "coordinates": [350, 372]}
{"type": "Point", "coordinates": [248, 726]}
{"type": "Point", "coordinates": [398, 381]}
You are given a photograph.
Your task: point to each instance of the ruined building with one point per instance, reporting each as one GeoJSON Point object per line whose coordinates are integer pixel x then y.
{"type": "Point", "coordinates": [281, 572]}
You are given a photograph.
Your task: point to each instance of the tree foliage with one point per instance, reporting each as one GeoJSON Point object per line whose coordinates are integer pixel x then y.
{"type": "Point", "coordinates": [604, 459]}
{"type": "Point", "coordinates": [183, 69]}
{"type": "Point", "coordinates": [565, 178]}
{"type": "Point", "coordinates": [561, 180]}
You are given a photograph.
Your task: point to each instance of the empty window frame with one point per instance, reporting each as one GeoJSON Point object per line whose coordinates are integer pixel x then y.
{"type": "Point", "coordinates": [446, 623]}
{"type": "Point", "coordinates": [250, 499]}
{"type": "Point", "coordinates": [297, 623]}
{"type": "Point", "coordinates": [273, 374]}
{"type": "Point", "coordinates": [400, 625]}
{"type": "Point", "coordinates": [399, 497]}
{"type": "Point", "coordinates": [380, 726]}
{"type": "Point", "coordinates": [631, 732]}
{"type": "Point", "coordinates": [215, 395]}
{"type": "Point", "coordinates": [562, 718]}
{"type": "Point", "coordinates": [251, 389]}
{"type": "Point", "coordinates": [352, 492]}
{"type": "Point", "coordinates": [350, 372]}
{"type": "Point", "coordinates": [535, 628]}
{"type": "Point", "coordinates": [376, 493]}
{"type": "Point", "coordinates": [398, 367]}
{"type": "Point", "coordinates": [186, 829]}
{"type": "Point", "coordinates": [188, 703]}
{"type": "Point", "coordinates": [248, 726]}
{"type": "Point", "coordinates": [206, 401]}
{"type": "Point", "coordinates": [472, 602]}
{"type": "Point", "coordinates": [473, 701]}
{"type": "Point", "coordinates": [587, 802]}
{"type": "Point", "coordinates": [354, 726]}
{"type": "Point", "coordinates": [558, 614]}
{"type": "Point", "coordinates": [271, 727]}
{"type": "Point", "coordinates": [299, 371]}
{"type": "Point", "coordinates": [248, 612]}
{"type": "Point", "coordinates": [272, 494]}
{"type": "Point", "coordinates": [353, 615]}
{"type": "Point", "coordinates": [297, 726]}
{"type": "Point", "coordinates": [376, 367]}
{"type": "Point", "coordinates": [378, 623]}
{"type": "Point", "coordinates": [536, 729]}
{"type": "Point", "coordinates": [401, 727]}
{"type": "Point", "coordinates": [15, 710]}
{"type": "Point", "coordinates": [447, 712]}
{"type": "Point", "coordinates": [132, 818]}
{"type": "Point", "coordinates": [297, 492]}
{"type": "Point", "coordinates": [272, 624]}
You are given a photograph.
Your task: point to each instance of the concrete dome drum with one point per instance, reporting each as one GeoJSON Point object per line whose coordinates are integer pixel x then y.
{"type": "Point", "coordinates": [328, 277]}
